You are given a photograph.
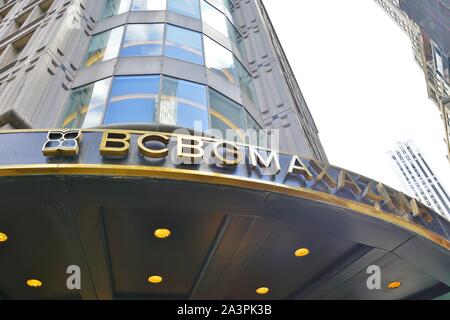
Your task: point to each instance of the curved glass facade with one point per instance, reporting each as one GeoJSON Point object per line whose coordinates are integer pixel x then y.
{"type": "Point", "coordinates": [154, 99]}
{"type": "Point", "coordinates": [143, 40]}
{"type": "Point", "coordinates": [146, 40]}
{"type": "Point", "coordinates": [137, 40]}
{"type": "Point", "coordinates": [217, 14]}
{"type": "Point", "coordinates": [189, 8]}
{"type": "Point", "coordinates": [158, 99]}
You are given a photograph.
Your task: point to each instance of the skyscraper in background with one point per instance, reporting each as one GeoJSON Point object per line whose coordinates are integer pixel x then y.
{"type": "Point", "coordinates": [418, 178]}
{"type": "Point", "coordinates": [427, 25]}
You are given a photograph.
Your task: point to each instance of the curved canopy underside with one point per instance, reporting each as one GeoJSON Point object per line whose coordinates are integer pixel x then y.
{"type": "Point", "coordinates": [225, 243]}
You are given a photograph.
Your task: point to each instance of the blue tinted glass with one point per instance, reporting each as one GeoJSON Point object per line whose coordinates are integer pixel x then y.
{"type": "Point", "coordinates": [184, 104]}
{"type": "Point", "coordinates": [133, 100]}
{"type": "Point", "coordinates": [184, 44]}
{"type": "Point", "coordinates": [190, 8]}
{"type": "Point", "coordinates": [143, 40]}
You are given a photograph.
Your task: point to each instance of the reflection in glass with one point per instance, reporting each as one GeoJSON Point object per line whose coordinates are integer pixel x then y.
{"type": "Point", "coordinates": [184, 44]}
{"type": "Point", "coordinates": [230, 10]}
{"type": "Point", "coordinates": [226, 115]}
{"type": "Point", "coordinates": [133, 100]}
{"type": "Point", "coordinates": [86, 106]}
{"type": "Point", "coordinates": [183, 104]}
{"type": "Point", "coordinates": [237, 40]}
{"type": "Point", "coordinates": [147, 5]}
{"type": "Point", "coordinates": [246, 83]}
{"type": "Point", "coordinates": [190, 8]}
{"type": "Point", "coordinates": [255, 133]}
{"type": "Point", "coordinates": [143, 40]}
{"type": "Point", "coordinates": [214, 18]}
{"type": "Point", "coordinates": [114, 8]}
{"type": "Point", "coordinates": [104, 46]}
{"type": "Point", "coordinates": [219, 60]}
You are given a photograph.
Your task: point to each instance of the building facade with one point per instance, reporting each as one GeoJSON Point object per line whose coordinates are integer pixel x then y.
{"type": "Point", "coordinates": [426, 24]}
{"type": "Point", "coordinates": [63, 64]}
{"type": "Point", "coordinates": [120, 179]}
{"type": "Point", "coordinates": [418, 178]}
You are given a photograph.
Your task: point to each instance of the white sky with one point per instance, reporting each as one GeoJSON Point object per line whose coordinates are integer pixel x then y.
{"type": "Point", "coordinates": [356, 69]}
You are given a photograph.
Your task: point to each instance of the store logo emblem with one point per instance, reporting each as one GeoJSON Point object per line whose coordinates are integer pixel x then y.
{"type": "Point", "coordinates": [62, 143]}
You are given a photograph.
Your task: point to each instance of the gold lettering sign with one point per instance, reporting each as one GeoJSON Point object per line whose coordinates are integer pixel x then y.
{"type": "Point", "coordinates": [151, 153]}
{"type": "Point", "coordinates": [115, 144]}
{"type": "Point", "coordinates": [228, 149]}
{"type": "Point", "coordinates": [298, 167]}
{"type": "Point", "coordinates": [419, 210]}
{"type": "Point", "coordinates": [323, 175]}
{"type": "Point", "coordinates": [345, 180]}
{"type": "Point", "coordinates": [369, 195]}
{"type": "Point", "coordinates": [190, 149]}
{"type": "Point", "coordinates": [257, 160]}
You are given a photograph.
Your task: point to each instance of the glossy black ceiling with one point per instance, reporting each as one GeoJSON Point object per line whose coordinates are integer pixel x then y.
{"type": "Point", "coordinates": [226, 242]}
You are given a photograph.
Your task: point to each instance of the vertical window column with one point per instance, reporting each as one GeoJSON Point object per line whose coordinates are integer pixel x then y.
{"type": "Point", "coordinates": [133, 100]}
{"type": "Point", "coordinates": [86, 106]}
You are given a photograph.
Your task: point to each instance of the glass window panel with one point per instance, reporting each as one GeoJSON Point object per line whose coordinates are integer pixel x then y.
{"type": "Point", "coordinates": [184, 104]}
{"type": "Point", "coordinates": [104, 46]}
{"type": "Point", "coordinates": [226, 114]}
{"type": "Point", "coordinates": [143, 40]}
{"type": "Point", "coordinates": [190, 8]}
{"type": "Point", "coordinates": [220, 60]}
{"type": "Point", "coordinates": [147, 5]}
{"type": "Point", "coordinates": [214, 18]}
{"type": "Point", "coordinates": [216, 3]}
{"type": "Point", "coordinates": [184, 44]}
{"type": "Point", "coordinates": [236, 39]}
{"type": "Point", "coordinates": [86, 106]}
{"type": "Point", "coordinates": [229, 10]}
{"type": "Point", "coordinates": [114, 8]}
{"type": "Point", "coordinates": [255, 133]}
{"type": "Point", "coordinates": [246, 83]}
{"type": "Point", "coordinates": [251, 123]}
{"type": "Point", "coordinates": [133, 100]}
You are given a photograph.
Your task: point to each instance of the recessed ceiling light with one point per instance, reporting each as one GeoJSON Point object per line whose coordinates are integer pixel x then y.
{"type": "Point", "coordinates": [262, 291]}
{"type": "Point", "coordinates": [34, 283]}
{"type": "Point", "coordinates": [162, 233]}
{"type": "Point", "coordinates": [155, 279]}
{"type": "Point", "coordinates": [394, 285]}
{"type": "Point", "coordinates": [303, 252]}
{"type": "Point", "coordinates": [3, 237]}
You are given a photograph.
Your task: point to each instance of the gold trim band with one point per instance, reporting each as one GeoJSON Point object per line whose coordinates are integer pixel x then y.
{"type": "Point", "coordinates": [223, 180]}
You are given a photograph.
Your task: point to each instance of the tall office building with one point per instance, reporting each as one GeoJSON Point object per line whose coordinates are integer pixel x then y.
{"type": "Point", "coordinates": [129, 166]}
{"type": "Point", "coordinates": [426, 24]}
{"type": "Point", "coordinates": [418, 178]}
{"type": "Point", "coordinates": [64, 63]}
